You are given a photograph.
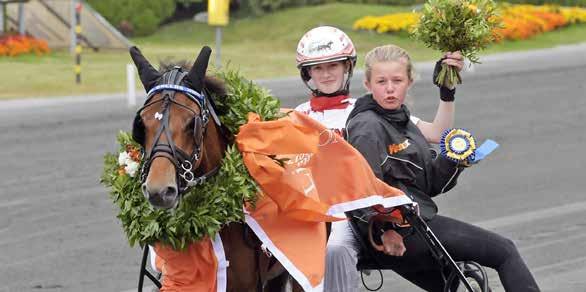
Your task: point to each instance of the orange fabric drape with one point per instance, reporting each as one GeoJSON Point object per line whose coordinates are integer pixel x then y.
{"type": "Point", "coordinates": [190, 270]}
{"type": "Point", "coordinates": [304, 170]}
{"type": "Point", "coordinates": [320, 169]}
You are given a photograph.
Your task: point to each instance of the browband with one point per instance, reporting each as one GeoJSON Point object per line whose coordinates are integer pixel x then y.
{"type": "Point", "coordinates": [196, 96]}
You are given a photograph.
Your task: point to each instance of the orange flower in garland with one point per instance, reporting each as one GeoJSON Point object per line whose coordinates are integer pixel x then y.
{"type": "Point", "coordinates": [129, 160]}
{"type": "Point", "coordinates": [133, 152]}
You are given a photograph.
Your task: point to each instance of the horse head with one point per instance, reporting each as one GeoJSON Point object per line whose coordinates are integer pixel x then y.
{"type": "Point", "coordinates": [178, 129]}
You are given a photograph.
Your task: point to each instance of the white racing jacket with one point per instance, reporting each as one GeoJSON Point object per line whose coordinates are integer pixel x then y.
{"type": "Point", "coordinates": [335, 119]}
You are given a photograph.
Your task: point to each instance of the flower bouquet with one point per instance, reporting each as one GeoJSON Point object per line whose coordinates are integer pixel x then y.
{"type": "Point", "coordinates": [457, 25]}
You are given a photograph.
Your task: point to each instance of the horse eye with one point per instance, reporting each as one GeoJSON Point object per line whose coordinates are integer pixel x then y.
{"type": "Point", "coordinates": [190, 126]}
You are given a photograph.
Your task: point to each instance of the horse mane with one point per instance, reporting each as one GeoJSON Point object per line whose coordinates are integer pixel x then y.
{"type": "Point", "coordinates": [214, 86]}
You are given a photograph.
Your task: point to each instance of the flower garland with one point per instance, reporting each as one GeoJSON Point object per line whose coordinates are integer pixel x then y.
{"type": "Point", "coordinates": [204, 210]}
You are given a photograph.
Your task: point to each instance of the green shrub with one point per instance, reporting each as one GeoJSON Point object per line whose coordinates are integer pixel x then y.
{"type": "Point", "coordinates": [385, 2]}
{"type": "Point", "coordinates": [134, 17]}
{"type": "Point", "coordinates": [258, 7]}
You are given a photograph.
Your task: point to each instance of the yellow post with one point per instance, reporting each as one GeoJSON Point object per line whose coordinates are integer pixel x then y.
{"type": "Point", "coordinates": [218, 17]}
{"type": "Point", "coordinates": [218, 12]}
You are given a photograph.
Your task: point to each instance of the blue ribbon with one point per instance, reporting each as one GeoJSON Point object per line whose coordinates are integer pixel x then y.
{"type": "Point", "coordinates": [486, 148]}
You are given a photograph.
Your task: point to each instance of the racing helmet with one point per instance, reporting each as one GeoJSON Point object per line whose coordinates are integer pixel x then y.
{"type": "Point", "coordinates": [325, 44]}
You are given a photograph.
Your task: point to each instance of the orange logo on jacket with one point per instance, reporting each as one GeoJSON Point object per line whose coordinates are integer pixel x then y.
{"type": "Point", "coordinates": [396, 148]}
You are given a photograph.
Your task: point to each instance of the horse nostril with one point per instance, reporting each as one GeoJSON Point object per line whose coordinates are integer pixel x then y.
{"type": "Point", "coordinates": [170, 192]}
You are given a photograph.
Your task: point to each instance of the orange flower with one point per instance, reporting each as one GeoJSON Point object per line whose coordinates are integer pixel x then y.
{"type": "Point", "coordinates": [134, 155]}
{"type": "Point", "coordinates": [14, 45]}
{"type": "Point", "coordinates": [524, 21]}
{"type": "Point", "coordinates": [133, 152]}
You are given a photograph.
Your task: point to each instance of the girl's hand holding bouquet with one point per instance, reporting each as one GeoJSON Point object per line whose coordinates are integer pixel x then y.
{"type": "Point", "coordinates": [453, 60]}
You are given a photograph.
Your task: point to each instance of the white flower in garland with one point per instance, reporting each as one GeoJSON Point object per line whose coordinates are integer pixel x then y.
{"type": "Point", "coordinates": [123, 158]}
{"type": "Point", "coordinates": [131, 167]}
{"type": "Point", "coordinates": [128, 162]}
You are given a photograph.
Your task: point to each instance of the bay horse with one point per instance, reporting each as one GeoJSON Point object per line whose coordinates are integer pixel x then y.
{"type": "Point", "coordinates": [183, 143]}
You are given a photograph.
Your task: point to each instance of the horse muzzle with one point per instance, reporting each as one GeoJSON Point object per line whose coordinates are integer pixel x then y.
{"type": "Point", "coordinates": [164, 197]}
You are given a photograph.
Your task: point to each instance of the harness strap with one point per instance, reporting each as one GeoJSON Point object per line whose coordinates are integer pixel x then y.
{"type": "Point", "coordinates": [202, 178]}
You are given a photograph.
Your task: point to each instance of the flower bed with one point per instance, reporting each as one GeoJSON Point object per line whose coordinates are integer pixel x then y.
{"type": "Point", "coordinates": [14, 45]}
{"type": "Point", "coordinates": [574, 14]}
{"type": "Point", "coordinates": [388, 23]}
{"type": "Point", "coordinates": [524, 21]}
{"type": "Point", "coordinates": [519, 21]}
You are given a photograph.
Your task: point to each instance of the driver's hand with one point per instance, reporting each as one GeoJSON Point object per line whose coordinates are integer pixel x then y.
{"type": "Point", "coordinates": [392, 244]}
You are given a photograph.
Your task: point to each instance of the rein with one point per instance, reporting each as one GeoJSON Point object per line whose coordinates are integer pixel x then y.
{"type": "Point", "coordinates": [183, 162]}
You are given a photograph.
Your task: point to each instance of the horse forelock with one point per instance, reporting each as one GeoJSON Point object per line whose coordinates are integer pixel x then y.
{"type": "Point", "coordinates": [215, 87]}
{"type": "Point", "coordinates": [166, 66]}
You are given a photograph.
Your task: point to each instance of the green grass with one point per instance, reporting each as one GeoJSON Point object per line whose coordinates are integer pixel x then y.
{"type": "Point", "coordinates": [260, 48]}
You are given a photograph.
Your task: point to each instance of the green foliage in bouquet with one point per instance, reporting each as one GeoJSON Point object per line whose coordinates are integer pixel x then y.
{"type": "Point", "coordinates": [205, 209]}
{"type": "Point", "coordinates": [457, 25]}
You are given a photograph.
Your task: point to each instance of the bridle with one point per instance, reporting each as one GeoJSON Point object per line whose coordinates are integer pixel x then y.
{"type": "Point", "coordinates": [171, 83]}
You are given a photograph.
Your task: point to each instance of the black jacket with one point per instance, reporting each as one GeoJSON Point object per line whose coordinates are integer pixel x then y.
{"type": "Point", "coordinates": [399, 154]}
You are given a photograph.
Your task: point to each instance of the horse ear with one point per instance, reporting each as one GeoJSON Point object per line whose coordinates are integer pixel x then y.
{"type": "Point", "coordinates": [148, 75]}
{"type": "Point", "coordinates": [198, 70]}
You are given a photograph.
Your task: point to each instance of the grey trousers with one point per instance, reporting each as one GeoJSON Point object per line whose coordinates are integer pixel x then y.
{"type": "Point", "coordinates": [341, 258]}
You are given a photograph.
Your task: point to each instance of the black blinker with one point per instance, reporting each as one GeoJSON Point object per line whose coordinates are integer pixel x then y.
{"type": "Point", "coordinates": [138, 131]}
{"type": "Point", "coordinates": [197, 130]}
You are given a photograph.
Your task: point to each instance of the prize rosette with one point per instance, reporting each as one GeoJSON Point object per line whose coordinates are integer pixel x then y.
{"type": "Point", "coordinates": [458, 145]}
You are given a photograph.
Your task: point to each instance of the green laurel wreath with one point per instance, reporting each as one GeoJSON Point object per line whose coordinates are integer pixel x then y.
{"type": "Point", "coordinates": [205, 209]}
